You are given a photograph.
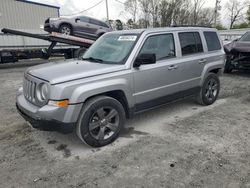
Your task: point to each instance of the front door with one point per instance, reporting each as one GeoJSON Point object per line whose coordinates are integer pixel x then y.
{"type": "Point", "coordinates": [154, 81]}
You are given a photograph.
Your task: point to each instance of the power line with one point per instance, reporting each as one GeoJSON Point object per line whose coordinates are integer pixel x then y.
{"type": "Point", "coordinates": [85, 9]}
{"type": "Point", "coordinates": [120, 2]}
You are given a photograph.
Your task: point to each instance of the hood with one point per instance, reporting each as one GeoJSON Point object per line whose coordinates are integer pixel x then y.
{"type": "Point", "coordinates": [58, 72]}
{"type": "Point", "coordinates": [237, 46]}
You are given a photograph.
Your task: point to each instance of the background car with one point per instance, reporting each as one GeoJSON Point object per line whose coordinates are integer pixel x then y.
{"type": "Point", "coordinates": [82, 26]}
{"type": "Point", "coordinates": [238, 54]}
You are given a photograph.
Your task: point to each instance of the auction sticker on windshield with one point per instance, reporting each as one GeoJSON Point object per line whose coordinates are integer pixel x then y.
{"type": "Point", "coordinates": [127, 38]}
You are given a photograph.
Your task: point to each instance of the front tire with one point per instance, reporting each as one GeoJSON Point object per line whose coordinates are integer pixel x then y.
{"type": "Point", "coordinates": [228, 67]}
{"type": "Point", "coordinates": [100, 121]}
{"type": "Point", "coordinates": [209, 90]}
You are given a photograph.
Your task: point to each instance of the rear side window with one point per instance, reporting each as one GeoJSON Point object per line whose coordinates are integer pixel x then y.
{"type": "Point", "coordinates": [95, 22]}
{"type": "Point", "coordinates": [190, 43]}
{"type": "Point", "coordinates": [213, 42]}
{"type": "Point", "coordinates": [104, 25]}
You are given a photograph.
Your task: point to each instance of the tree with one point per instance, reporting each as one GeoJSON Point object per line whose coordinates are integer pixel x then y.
{"type": "Point", "coordinates": [164, 13]}
{"type": "Point", "coordinates": [248, 14]}
{"type": "Point", "coordinates": [119, 25]}
{"type": "Point", "coordinates": [131, 6]}
{"type": "Point", "coordinates": [206, 17]}
{"type": "Point", "coordinates": [235, 9]}
{"type": "Point", "coordinates": [220, 27]}
{"type": "Point", "coordinates": [154, 10]}
{"type": "Point", "coordinates": [197, 7]}
{"type": "Point", "coordinates": [241, 25]}
{"type": "Point", "coordinates": [145, 8]}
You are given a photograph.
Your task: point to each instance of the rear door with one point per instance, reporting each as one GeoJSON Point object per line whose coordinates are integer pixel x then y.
{"type": "Point", "coordinates": [215, 52]}
{"type": "Point", "coordinates": [95, 25]}
{"type": "Point", "coordinates": [193, 59]}
{"type": "Point", "coordinates": [82, 25]}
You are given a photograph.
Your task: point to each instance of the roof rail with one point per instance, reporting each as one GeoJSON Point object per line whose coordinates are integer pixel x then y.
{"type": "Point", "coordinates": [191, 26]}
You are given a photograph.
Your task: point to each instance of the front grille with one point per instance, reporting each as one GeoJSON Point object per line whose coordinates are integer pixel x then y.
{"type": "Point", "coordinates": [29, 89]}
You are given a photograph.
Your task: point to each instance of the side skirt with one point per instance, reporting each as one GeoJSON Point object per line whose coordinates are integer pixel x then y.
{"type": "Point", "coordinates": [148, 105]}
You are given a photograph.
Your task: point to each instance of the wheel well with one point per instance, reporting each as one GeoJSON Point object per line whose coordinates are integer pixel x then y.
{"type": "Point", "coordinates": [216, 71]}
{"type": "Point", "coordinates": [118, 95]}
{"type": "Point", "coordinates": [65, 23]}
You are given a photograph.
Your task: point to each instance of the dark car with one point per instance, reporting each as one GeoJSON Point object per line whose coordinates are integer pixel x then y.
{"type": "Point", "coordinates": [238, 54]}
{"type": "Point", "coordinates": [82, 26]}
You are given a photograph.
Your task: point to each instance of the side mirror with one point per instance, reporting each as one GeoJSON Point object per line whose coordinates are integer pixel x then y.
{"type": "Point", "coordinates": [77, 19]}
{"type": "Point", "coordinates": [144, 59]}
{"type": "Point", "coordinates": [236, 39]}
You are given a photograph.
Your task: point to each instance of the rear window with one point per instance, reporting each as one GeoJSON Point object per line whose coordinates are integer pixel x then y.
{"type": "Point", "coordinates": [190, 43]}
{"type": "Point", "coordinates": [213, 42]}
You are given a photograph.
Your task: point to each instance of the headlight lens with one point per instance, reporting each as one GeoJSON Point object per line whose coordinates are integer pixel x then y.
{"type": "Point", "coordinates": [42, 92]}
{"type": "Point", "coordinates": [54, 19]}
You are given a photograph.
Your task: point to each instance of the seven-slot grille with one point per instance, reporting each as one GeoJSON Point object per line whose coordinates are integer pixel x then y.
{"type": "Point", "coordinates": [29, 89]}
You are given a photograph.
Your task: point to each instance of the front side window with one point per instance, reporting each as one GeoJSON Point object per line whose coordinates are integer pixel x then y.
{"type": "Point", "coordinates": [213, 42]}
{"type": "Point", "coordinates": [160, 45]}
{"type": "Point", "coordinates": [190, 43]}
{"type": "Point", "coordinates": [111, 48]}
{"type": "Point", "coordinates": [84, 19]}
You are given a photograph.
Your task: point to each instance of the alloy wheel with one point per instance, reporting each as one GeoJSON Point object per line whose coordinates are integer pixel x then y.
{"type": "Point", "coordinates": [104, 123]}
{"type": "Point", "coordinates": [211, 89]}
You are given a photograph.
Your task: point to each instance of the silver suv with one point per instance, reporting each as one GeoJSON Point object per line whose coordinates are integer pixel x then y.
{"type": "Point", "coordinates": [121, 74]}
{"type": "Point", "coordinates": [82, 26]}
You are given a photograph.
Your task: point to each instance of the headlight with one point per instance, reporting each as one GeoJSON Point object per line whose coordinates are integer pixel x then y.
{"type": "Point", "coordinates": [42, 92]}
{"type": "Point", "coordinates": [54, 19]}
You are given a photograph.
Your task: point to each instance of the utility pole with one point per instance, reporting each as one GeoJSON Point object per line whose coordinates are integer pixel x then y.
{"type": "Point", "coordinates": [107, 9]}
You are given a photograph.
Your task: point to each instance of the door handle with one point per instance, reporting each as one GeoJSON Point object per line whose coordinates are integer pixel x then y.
{"type": "Point", "coordinates": [172, 67]}
{"type": "Point", "coordinates": [202, 61]}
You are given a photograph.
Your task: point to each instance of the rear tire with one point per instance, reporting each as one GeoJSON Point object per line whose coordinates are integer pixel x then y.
{"type": "Point", "coordinates": [65, 29]}
{"type": "Point", "coordinates": [100, 121]}
{"type": "Point", "coordinates": [209, 90]}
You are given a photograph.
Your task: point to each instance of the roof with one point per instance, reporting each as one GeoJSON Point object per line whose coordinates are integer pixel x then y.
{"type": "Point", "coordinates": [162, 29]}
{"type": "Point", "coordinates": [40, 4]}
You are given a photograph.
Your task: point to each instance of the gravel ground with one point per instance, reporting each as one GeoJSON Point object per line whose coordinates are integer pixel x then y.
{"type": "Point", "coordinates": [178, 145]}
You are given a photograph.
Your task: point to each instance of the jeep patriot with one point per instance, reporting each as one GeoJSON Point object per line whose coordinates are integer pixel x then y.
{"type": "Point", "coordinates": [121, 74]}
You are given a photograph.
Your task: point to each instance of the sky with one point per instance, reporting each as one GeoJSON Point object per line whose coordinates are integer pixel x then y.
{"type": "Point", "coordinates": [116, 8]}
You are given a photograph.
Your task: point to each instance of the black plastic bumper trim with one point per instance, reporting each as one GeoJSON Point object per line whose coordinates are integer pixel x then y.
{"type": "Point", "coordinates": [47, 125]}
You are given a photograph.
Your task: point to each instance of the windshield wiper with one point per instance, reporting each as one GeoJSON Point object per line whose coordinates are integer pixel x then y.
{"type": "Point", "coordinates": [93, 59]}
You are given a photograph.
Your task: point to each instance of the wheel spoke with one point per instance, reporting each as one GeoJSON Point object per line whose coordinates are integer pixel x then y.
{"type": "Point", "coordinates": [112, 126]}
{"type": "Point", "coordinates": [101, 135]}
{"type": "Point", "coordinates": [207, 93]}
{"type": "Point", "coordinates": [111, 114]}
{"type": "Point", "coordinates": [211, 94]}
{"type": "Point", "coordinates": [101, 113]}
{"type": "Point", "coordinates": [94, 125]}
{"type": "Point", "coordinates": [214, 87]}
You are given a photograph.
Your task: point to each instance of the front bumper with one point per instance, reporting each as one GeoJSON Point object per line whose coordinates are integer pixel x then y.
{"type": "Point", "coordinates": [50, 28]}
{"type": "Point", "coordinates": [48, 118]}
{"type": "Point", "coordinates": [47, 125]}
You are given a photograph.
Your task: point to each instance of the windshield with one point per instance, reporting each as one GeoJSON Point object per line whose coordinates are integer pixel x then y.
{"type": "Point", "coordinates": [245, 37]}
{"type": "Point", "coordinates": [111, 48]}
